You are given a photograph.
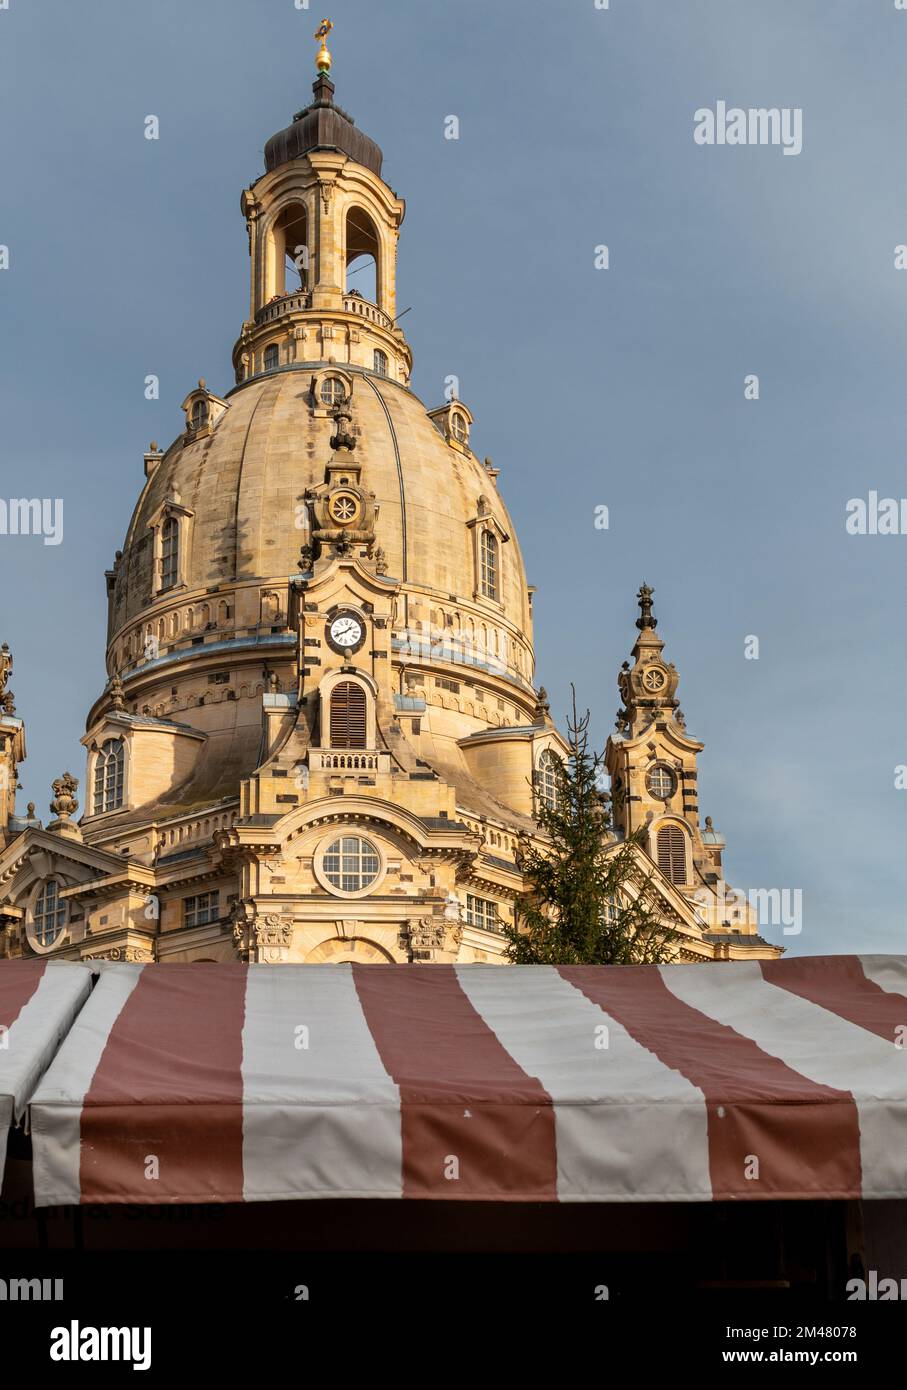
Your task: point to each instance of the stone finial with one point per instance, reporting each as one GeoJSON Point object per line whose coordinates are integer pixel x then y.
{"type": "Point", "coordinates": [542, 706]}
{"type": "Point", "coordinates": [8, 702]}
{"type": "Point", "coordinates": [646, 617]}
{"type": "Point", "coordinates": [30, 810]}
{"type": "Point", "coordinates": [117, 695]}
{"type": "Point", "coordinates": [6, 666]}
{"type": "Point", "coordinates": [708, 823]}
{"type": "Point", "coordinates": [64, 800]}
{"type": "Point", "coordinates": [380, 561]}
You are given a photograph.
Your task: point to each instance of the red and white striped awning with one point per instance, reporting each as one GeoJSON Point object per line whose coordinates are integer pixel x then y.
{"type": "Point", "coordinates": [38, 1002]}
{"type": "Point", "coordinates": [221, 1083]}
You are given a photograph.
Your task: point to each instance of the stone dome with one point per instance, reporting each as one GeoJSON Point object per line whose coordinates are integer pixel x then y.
{"type": "Point", "coordinates": [319, 485]}
{"type": "Point", "coordinates": [241, 487]}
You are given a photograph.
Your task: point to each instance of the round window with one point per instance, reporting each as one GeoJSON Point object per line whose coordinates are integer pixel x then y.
{"type": "Point", "coordinates": [351, 864]}
{"type": "Point", "coordinates": [333, 391]}
{"type": "Point", "coordinates": [49, 915]}
{"type": "Point", "coordinates": [661, 782]}
{"type": "Point", "coordinates": [458, 427]}
{"type": "Point", "coordinates": [343, 508]}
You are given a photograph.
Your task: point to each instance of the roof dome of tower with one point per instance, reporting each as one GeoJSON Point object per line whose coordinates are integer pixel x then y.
{"type": "Point", "coordinates": [322, 126]}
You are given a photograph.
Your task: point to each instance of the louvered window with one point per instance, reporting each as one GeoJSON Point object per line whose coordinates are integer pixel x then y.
{"type": "Point", "coordinates": [348, 715]}
{"type": "Point", "coordinates": [672, 857]}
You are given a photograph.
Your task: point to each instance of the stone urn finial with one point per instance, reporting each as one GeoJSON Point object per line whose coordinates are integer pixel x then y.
{"type": "Point", "coordinates": [63, 805]}
{"type": "Point", "coordinates": [542, 706]}
{"type": "Point", "coordinates": [6, 665]}
{"type": "Point", "coordinates": [117, 695]}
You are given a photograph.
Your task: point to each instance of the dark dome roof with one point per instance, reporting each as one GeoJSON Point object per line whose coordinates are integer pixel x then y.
{"type": "Point", "coordinates": [322, 126]}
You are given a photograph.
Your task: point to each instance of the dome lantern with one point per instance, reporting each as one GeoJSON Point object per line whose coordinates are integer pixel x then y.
{"type": "Point", "coordinates": [323, 229]}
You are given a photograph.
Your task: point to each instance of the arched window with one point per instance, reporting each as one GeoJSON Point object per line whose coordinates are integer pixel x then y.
{"type": "Point", "coordinates": [271, 357]}
{"type": "Point", "coordinates": [49, 914]}
{"type": "Point", "coordinates": [199, 414]}
{"type": "Point", "coordinates": [333, 390]}
{"type": "Point", "coordinates": [380, 362]}
{"type": "Point", "coordinates": [458, 427]}
{"type": "Point", "coordinates": [672, 853]}
{"type": "Point", "coordinates": [288, 272]}
{"type": "Point", "coordinates": [546, 779]}
{"type": "Point", "coordinates": [363, 253]}
{"type": "Point", "coordinates": [489, 564]}
{"type": "Point", "coordinates": [108, 776]}
{"type": "Point", "coordinates": [348, 715]}
{"type": "Point", "coordinates": [170, 552]}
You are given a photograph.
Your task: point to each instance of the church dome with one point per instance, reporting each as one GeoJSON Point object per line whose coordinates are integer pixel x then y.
{"type": "Point", "coordinates": [318, 485]}
{"type": "Point", "coordinates": [241, 485]}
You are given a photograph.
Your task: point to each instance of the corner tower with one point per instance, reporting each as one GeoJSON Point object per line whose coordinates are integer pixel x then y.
{"type": "Point", "coordinates": [652, 760]}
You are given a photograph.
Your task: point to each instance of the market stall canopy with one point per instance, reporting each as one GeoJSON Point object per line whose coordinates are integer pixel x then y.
{"type": "Point", "coordinates": [38, 1002]}
{"type": "Point", "coordinates": [227, 1083]}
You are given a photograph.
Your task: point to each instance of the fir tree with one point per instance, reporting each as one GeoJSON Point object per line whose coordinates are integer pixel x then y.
{"type": "Point", "coordinates": [585, 903]}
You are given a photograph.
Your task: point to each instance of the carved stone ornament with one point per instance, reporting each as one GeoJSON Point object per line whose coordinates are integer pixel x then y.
{"type": "Point", "coordinates": [265, 939]}
{"type": "Point", "coordinates": [64, 800]}
{"type": "Point", "coordinates": [272, 930]}
{"type": "Point", "coordinates": [426, 938]}
{"type": "Point", "coordinates": [117, 694]}
{"type": "Point", "coordinates": [343, 510]}
{"type": "Point", "coordinates": [136, 955]}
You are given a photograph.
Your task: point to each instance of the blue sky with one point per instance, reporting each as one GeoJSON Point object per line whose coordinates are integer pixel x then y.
{"type": "Point", "coordinates": [621, 387]}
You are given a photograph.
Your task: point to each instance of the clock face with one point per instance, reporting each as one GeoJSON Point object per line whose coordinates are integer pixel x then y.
{"type": "Point", "coordinates": [345, 632]}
